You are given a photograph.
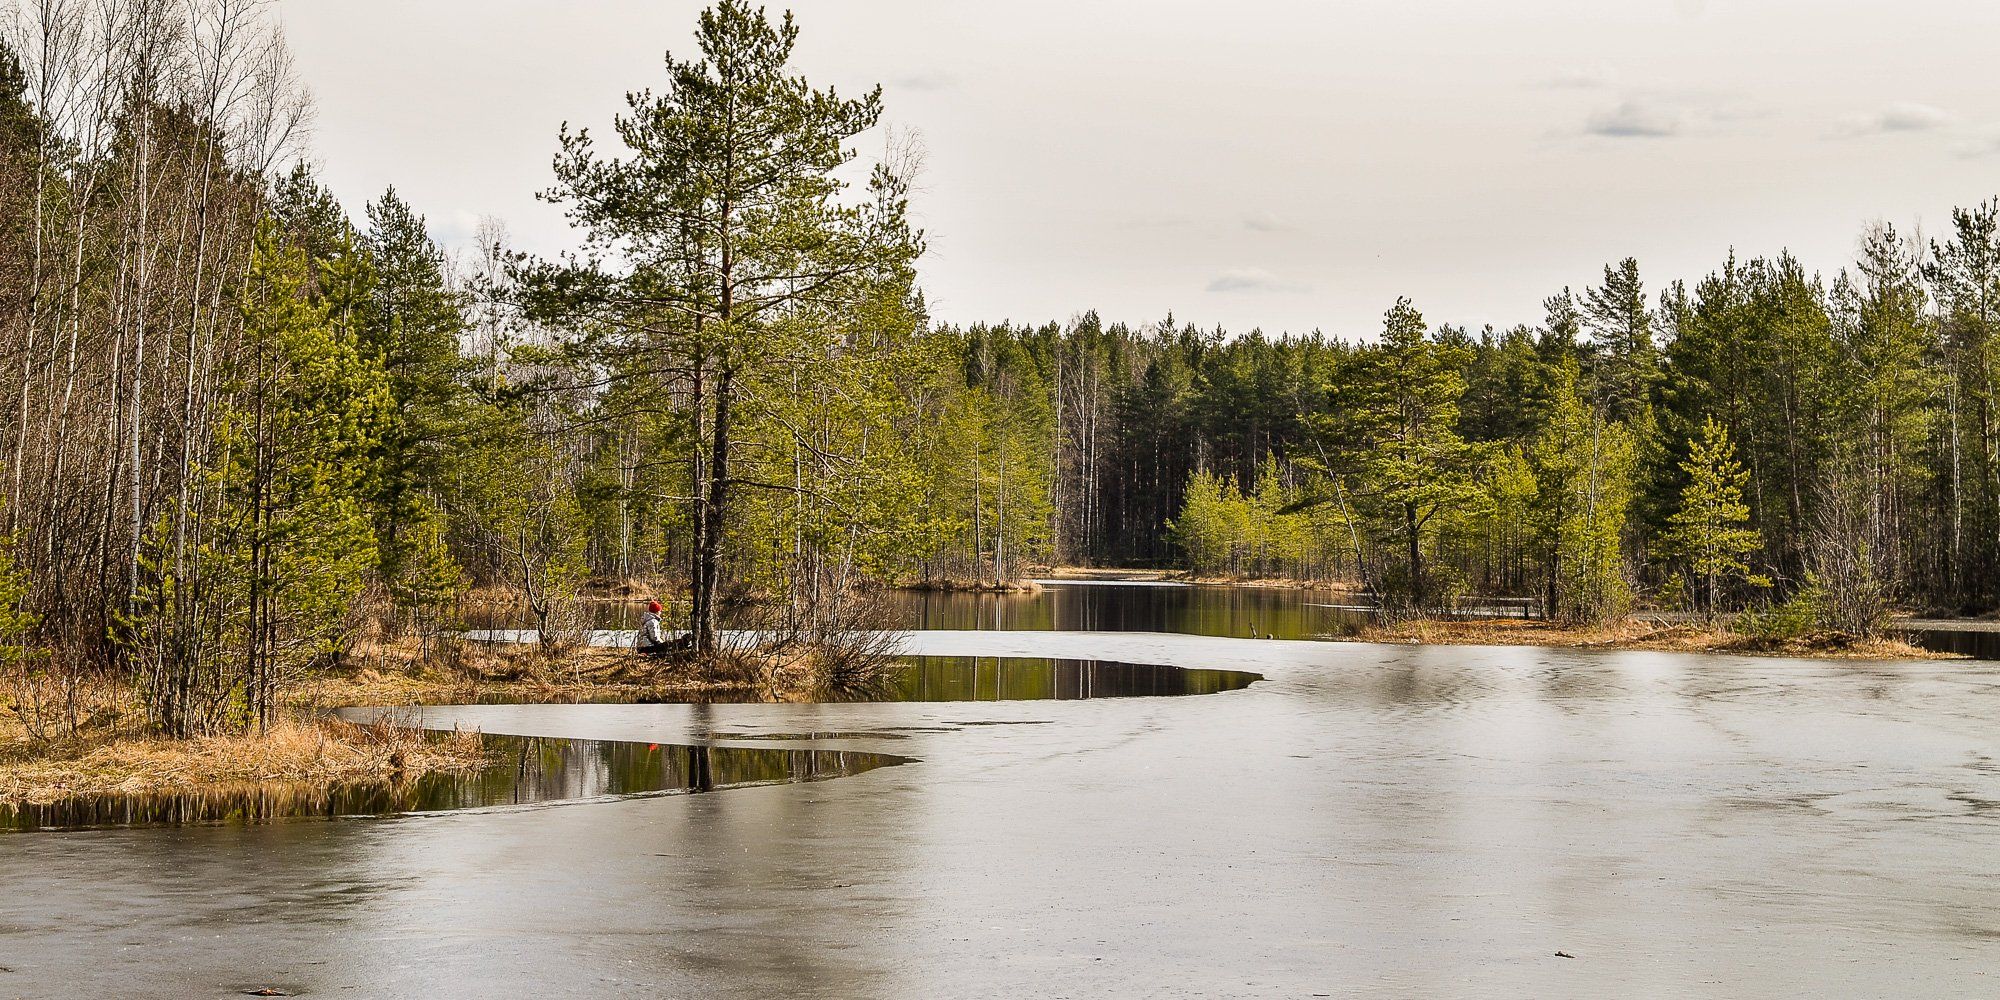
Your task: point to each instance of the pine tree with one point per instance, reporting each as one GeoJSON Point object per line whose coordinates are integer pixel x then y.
{"type": "Point", "coordinates": [309, 218]}
{"type": "Point", "coordinates": [1624, 361]}
{"type": "Point", "coordinates": [412, 332]}
{"type": "Point", "coordinates": [1209, 523]}
{"type": "Point", "coordinates": [1964, 273]}
{"type": "Point", "coordinates": [279, 532]}
{"type": "Point", "coordinates": [1711, 531]}
{"type": "Point", "coordinates": [1581, 466]}
{"type": "Point", "coordinates": [727, 222]}
{"type": "Point", "coordinates": [1801, 392]}
{"type": "Point", "coordinates": [1880, 321]}
{"type": "Point", "coordinates": [1561, 330]}
{"type": "Point", "coordinates": [1398, 413]}
{"type": "Point", "coordinates": [295, 526]}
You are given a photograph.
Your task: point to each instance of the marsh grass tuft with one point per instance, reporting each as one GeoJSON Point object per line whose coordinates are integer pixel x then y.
{"type": "Point", "coordinates": [292, 750]}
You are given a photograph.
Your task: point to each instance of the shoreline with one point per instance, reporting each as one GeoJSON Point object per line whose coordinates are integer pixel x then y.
{"type": "Point", "coordinates": [1662, 631]}
{"type": "Point", "coordinates": [1092, 574]}
{"type": "Point", "coordinates": [308, 748]}
{"type": "Point", "coordinates": [304, 752]}
{"type": "Point", "coordinates": [1640, 636]}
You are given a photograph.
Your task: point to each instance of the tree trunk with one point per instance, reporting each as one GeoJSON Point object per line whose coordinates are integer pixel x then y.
{"type": "Point", "coordinates": [708, 556]}
{"type": "Point", "coordinates": [1412, 533]}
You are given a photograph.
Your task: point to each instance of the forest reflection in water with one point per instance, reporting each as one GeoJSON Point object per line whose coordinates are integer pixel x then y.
{"type": "Point", "coordinates": [963, 678]}
{"type": "Point", "coordinates": [1244, 612]}
{"type": "Point", "coordinates": [1196, 609]}
{"type": "Point", "coordinates": [1256, 612]}
{"type": "Point", "coordinates": [525, 771]}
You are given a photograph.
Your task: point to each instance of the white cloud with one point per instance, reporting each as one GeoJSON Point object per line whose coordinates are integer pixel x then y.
{"type": "Point", "coordinates": [1638, 119]}
{"type": "Point", "coordinates": [1985, 144]}
{"type": "Point", "coordinates": [1657, 112]}
{"type": "Point", "coordinates": [1266, 222]}
{"type": "Point", "coordinates": [1903, 117]}
{"type": "Point", "coordinates": [1253, 279]}
{"type": "Point", "coordinates": [453, 226]}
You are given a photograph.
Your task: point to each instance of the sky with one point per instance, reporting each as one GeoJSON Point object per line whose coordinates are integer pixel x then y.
{"type": "Point", "coordinates": [1288, 165]}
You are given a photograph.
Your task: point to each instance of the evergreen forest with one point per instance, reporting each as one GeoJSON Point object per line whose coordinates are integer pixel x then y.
{"type": "Point", "coordinates": [241, 428]}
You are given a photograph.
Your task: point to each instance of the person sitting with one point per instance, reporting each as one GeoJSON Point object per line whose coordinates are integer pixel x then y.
{"type": "Point", "coordinates": [652, 640]}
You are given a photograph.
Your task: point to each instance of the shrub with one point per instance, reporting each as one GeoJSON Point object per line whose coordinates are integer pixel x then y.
{"type": "Point", "coordinates": [1805, 612]}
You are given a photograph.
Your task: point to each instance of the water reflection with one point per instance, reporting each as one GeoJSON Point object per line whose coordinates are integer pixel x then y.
{"type": "Point", "coordinates": [1099, 607]}
{"type": "Point", "coordinates": [530, 771]}
{"type": "Point", "coordinates": [526, 770]}
{"type": "Point", "coordinates": [1248, 612]}
{"type": "Point", "coordinates": [1978, 643]}
{"type": "Point", "coordinates": [964, 678]}
{"type": "Point", "coordinates": [1192, 609]}
{"type": "Point", "coordinates": [1226, 611]}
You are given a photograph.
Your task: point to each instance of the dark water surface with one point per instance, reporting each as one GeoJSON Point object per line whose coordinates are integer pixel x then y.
{"type": "Point", "coordinates": [1250, 612]}
{"type": "Point", "coordinates": [1196, 609]}
{"type": "Point", "coordinates": [1086, 606]}
{"type": "Point", "coordinates": [1978, 643]}
{"type": "Point", "coordinates": [992, 678]}
{"type": "Point", "coordinates": [1152, 607]}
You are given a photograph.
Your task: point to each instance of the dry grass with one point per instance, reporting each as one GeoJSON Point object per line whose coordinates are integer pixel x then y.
{"type": "Point", "coordinates": [1638, 634]}
{"type": "Point", "coordinates": [395, 674]}
{"type": "Point", "coordinates": [310, 751]}
{"type": "Point", "coordinates": [110, 752]}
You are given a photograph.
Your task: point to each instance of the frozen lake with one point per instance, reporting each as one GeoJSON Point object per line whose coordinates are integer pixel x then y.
{"type": "Point", "coordinates": [1367, 821]}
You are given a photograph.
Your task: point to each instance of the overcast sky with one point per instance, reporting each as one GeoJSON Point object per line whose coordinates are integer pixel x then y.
{"type": "Point", "coordinates": [1284, 164]}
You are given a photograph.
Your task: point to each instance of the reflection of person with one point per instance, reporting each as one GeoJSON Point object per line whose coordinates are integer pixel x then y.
{"type": "Point", "coordinates": [651, 639]}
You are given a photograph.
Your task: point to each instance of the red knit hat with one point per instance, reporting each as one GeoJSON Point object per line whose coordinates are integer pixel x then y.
{"type": "Point", "coordinates": [653, 606]}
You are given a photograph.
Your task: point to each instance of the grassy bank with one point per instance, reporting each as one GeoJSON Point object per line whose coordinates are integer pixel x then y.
{"type": "Point", "coordinates": [1635, 634]}
{"type": "Point", "coordinates": [295, 750]}
{"type": "Point", "coordinates": [111, 751]}
{"type": "Point", "coordinates": [463, 672]}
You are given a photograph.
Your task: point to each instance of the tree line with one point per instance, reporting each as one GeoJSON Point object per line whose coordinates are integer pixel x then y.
{"type": "Point", "coordinates": [242, 433]}
{"type": "Point", "coordinates": [1762, 432]}
{"type": "Point", "coordinates": [247, 434]}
